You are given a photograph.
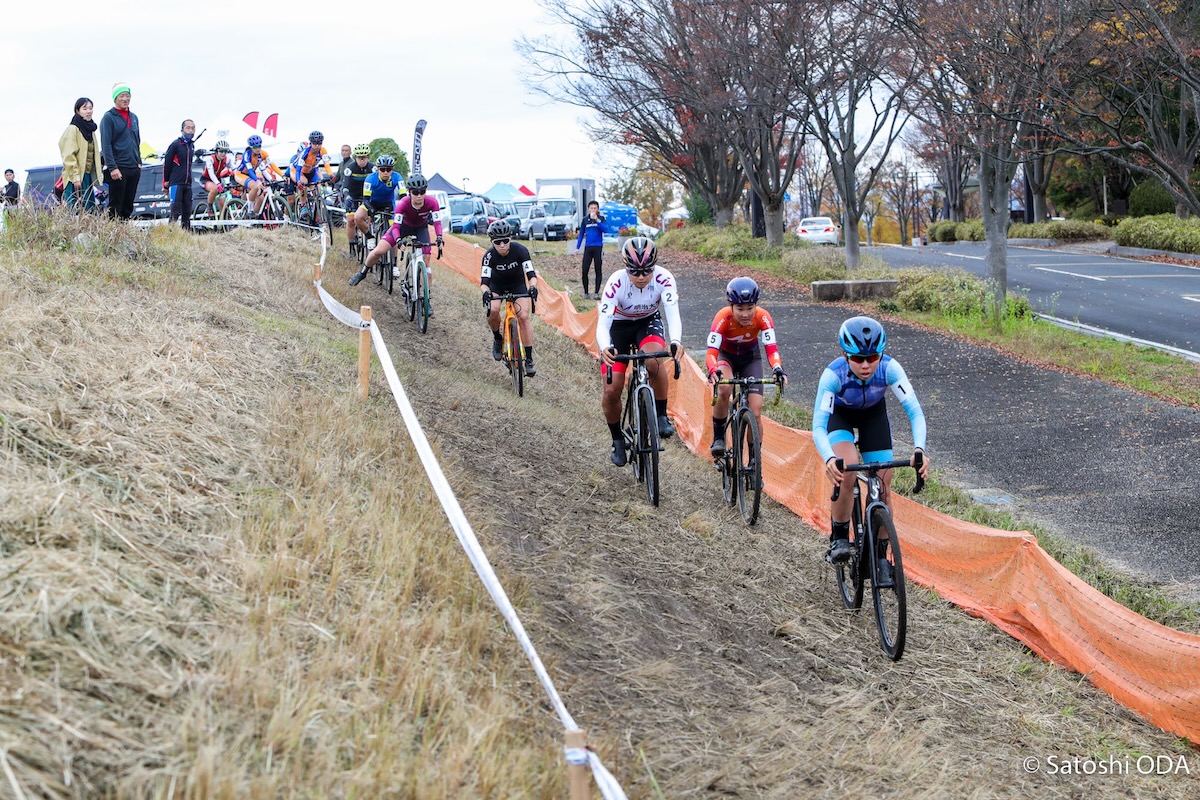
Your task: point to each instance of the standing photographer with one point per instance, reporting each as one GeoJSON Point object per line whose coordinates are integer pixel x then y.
{"type": "Point", "coordinates": [591, 236]}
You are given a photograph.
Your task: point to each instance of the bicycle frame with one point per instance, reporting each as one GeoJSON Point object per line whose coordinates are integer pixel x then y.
{"type": "Point", "coordinates": [513, 348]}
{"type": "Point", "coordinates": [416, 281]}
{"type": "Point", "coordinates": [741, 466]}
{"type": "Point", "coordinates": [869, 514]}
{"type": "Point", "coordinates": [639, 420]}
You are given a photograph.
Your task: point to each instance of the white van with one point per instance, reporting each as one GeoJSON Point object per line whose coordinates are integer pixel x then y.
{"type": "Point", "coordinates": [443, 201]}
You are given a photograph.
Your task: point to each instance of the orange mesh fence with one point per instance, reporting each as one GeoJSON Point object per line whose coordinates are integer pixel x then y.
{"type": "Point", "coordinates": [1000, 576]}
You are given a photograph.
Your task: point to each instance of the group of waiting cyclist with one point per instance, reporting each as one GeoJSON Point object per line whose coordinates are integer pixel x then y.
{"type": "Point", "coordinates": [639, 310]}
{"type": "Point", "coordinates": [253, 168]}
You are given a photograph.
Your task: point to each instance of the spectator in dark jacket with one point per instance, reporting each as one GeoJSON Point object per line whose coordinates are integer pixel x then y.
{"type": "Point", "coordinates": [591, 236]}
{"type": "Point", "coordinates": [177, 174]}
{"type": "Point", "coordinates": [12, 190]}
{"type": "Point", "coordinates": [121, 145]}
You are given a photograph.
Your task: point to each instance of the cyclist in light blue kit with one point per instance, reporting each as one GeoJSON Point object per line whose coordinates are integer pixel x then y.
{"type": "Point", "coordinates": [850, 395]}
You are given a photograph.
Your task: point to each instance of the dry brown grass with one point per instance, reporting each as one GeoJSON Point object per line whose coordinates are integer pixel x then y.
{"type": "Point", "coordinates": [223, 577]}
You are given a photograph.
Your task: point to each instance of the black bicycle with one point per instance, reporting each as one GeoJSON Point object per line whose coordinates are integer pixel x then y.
{"type": "Point", "coordinates": [381, 223]}
{"type": "Point", "coordinates": [875, 553]}
{"type": "Point", "coordinates": [741, 466]}
{"type": "Point", "coordinates": [639, 421]}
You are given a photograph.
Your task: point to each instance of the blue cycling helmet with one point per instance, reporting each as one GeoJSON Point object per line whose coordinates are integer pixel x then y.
{"type": "Point", "coordinates": [742, 291]}
{"type": "Point", "coordinates": [254, 141]}
{"type": "Point", "coordinates": [862, 336]}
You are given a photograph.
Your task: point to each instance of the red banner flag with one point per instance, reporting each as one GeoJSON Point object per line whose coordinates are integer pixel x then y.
{"type": "Point", "coordinates": [251, 119]}
{"type": "Point", "coordinates": [270, 127]}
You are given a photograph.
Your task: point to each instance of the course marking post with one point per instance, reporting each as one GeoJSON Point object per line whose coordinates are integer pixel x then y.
{"type": "Point", "coordinates": [364, 353]}
{"type": "Point", "coordinates": [581, 786]}
{"type": "Point", "coordinates": [316, 280]}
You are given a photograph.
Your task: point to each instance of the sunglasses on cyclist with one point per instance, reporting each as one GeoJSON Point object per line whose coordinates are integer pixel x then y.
{"type": "Point", "coordinates": [416, 194]}
{"type": "Point", "coordinates": [639, 272]}
{"type": "Point", "coordinates": [871, 359]}
{"type": "Point", "coordinates": [385, 169]}
{"type": "Point", "coordinates": [500, 241]}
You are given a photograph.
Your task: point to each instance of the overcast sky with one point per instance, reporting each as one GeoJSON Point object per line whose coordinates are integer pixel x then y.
{"type": "Point", "coordinates": [352, 70]}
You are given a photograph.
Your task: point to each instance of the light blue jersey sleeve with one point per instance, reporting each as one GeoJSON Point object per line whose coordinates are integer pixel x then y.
{"type": "Point", "coordinates": [897, 381]}
{"type": "Point", "coordinates": [827, 388]}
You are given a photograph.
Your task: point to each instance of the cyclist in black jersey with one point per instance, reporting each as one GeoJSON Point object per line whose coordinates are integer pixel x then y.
{"type": "Point", "coordinates": [508, 269]}
{"type": "Point", "coordinates": [351, 176]}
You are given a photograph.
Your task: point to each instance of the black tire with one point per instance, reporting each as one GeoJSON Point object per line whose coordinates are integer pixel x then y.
{"type": "Point", "coordinates": [422, 293]}
{"type": "Point", "coordinates": [891, 609]}
{"type": "Point", "coordinates": [545, 238]}
{"type": "Point", "coordinates": [529, 234]}
{"type": "Point", "coordinates": [387, 274]}
{"type": "Point", "coordinates": [234, 210]}
{"type": "Point", "coordinates": [850, 575]}
{"type": "Point", "coordinates": [729, 485]}
{"type": "Point", "coordinates": [516, 357]}
{"type": "Point", "coordinates": [200, 210]}
{"type": "Point", "coordinates": [749, 466]}
{"type": "Point", "coordinates": [648, 441]}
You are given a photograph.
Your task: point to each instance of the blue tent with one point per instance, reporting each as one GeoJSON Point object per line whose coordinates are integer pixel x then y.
{"type": "Point", "coordinates": [617, 216]}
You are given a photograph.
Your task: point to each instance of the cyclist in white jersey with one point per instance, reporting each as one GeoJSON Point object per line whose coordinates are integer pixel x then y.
{"type": "Point", "coordinates": [634, 304]}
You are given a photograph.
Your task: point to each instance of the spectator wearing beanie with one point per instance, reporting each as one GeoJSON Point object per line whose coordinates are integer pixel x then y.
{"type": "Point", "coordinates": [121, 145]}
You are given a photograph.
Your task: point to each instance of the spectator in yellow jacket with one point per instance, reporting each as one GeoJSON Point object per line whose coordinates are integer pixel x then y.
{"type": "Point", "coordinates": [80, 148]}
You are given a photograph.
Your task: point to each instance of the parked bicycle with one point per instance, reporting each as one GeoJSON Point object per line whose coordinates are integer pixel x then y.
{"type": "Point", "coordinates": [512, 345]}
{"type": "Point", "coordinates": [741, 466]}
{"type": "Point", "coordinates": [639, 421]}
{"type": "Point", "coordinates": [415, 286]}
{"type": "Point", "coordinates": [876, 553]}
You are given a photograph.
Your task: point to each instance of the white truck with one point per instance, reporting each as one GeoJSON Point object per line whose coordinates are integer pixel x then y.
{"type": "Point", "coordinates": [565, 201]}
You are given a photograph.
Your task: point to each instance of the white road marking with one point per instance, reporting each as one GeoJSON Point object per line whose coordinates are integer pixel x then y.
{"type": "Point", "coordinates": [1120, 337]}
{"type": "Point", "coordinates": [1072, 274]}
{"type": "Point", "coordinates": [961, 255]}
{"type": "Point", "coordinates": [1193, 297]}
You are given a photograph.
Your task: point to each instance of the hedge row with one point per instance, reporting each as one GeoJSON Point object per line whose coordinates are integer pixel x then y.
{"type": "Point", "coordinates": [1161, 232]}
{"type": "Point", "coordinates": [1062, 230]}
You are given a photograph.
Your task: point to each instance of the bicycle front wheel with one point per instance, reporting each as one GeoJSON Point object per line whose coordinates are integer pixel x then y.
{"type": "Point", "coordinates": [422, 297]}
{"type": "Point", "coordinates": [891, 612]}
{"type": "Point", "coordinates": [749, 466]}
{"type": "Point", "coordinates": [234, 211]}
{"type": "Point", "coordinates": [647, 441]}
{"type": "Point", "coordinates": [516, 357]}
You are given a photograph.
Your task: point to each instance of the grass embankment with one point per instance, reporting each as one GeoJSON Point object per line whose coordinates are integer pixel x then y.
{"type": "Point", "coordinates": [221, 578]}
{"type": "Point", "coordinates": [956, 302]}
{"type": "Point", "coordinates": [225, 577]}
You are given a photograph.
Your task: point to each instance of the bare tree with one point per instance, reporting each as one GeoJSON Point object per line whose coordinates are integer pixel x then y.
{"type": "Point", "coordinates": [897, 187]}
{"type": "Point", "coordinates": [634, 65]}
{"type": "Point", "coordinates": [852, 73]}
{"type": "Point", "coordinates": [985, 60]}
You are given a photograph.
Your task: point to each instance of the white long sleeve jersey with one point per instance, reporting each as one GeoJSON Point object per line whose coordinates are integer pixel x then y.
{"type": "Point", "coordinates": [621, 300]}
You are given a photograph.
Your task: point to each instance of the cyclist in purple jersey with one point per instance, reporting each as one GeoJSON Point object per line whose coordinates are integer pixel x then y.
{"type": "Point", "coordinates": [412, 217]}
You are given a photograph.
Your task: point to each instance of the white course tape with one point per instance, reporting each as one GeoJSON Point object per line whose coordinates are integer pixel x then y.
{"type": "Point", "coordinates": [610, 789]}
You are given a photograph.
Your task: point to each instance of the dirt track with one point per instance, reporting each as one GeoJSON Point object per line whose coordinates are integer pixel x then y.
{"type": "Point", "coordinates": [708, 658]}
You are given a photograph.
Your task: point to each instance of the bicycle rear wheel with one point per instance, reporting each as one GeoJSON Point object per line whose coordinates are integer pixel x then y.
{"type": "Point", "coordinates": [749, 466]}
{"type": "Point", "coordinates": [422, 294]}
{"type": "Point", "coordinates": [850, 575]}
{"type": "Point", "coordinates": [891, 611]}
{"type": "Point", "coordinates": [516, 357]}
{"type": "Point", "coordinates": [387, 271]}
{"type": "Point", "coordinates": [647, 441]}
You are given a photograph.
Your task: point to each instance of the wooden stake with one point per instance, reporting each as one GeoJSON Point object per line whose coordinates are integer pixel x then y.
{"type": "Point", "coordinates": [364, 354]}
{"type": "Point", "coordinates": [581, 784]}
{"type": "Point", "coordinates": [316, 278]}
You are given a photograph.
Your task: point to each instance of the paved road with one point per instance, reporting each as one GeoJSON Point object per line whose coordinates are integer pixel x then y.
{"type": "Point", "coordinates": [1154, 302]}
{"type": "Point", "coordinates": [1104, 466]}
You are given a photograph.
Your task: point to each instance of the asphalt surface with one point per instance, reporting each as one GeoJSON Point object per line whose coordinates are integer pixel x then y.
{"type": "Point", "coordinates": [1147, 300]}
{"type": "Point", "coordinates": [1104, 466]}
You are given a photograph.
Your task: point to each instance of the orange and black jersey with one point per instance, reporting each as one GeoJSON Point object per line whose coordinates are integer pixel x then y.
{"type": "Point", "coordinates": [729, 337]}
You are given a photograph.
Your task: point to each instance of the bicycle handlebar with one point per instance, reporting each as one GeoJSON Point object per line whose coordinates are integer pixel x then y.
{"type": "Point", "coordinates": [917, 460]}
{"type": "Point", "coordinates": [636, 357]}
{"type": "Point", "coordinates": [748, 382]}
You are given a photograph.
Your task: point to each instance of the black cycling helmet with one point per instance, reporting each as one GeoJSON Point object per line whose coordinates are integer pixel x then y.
{"type": "Point", "coordinates": [416, 183]}
{"type": "Point", "coordinates": [640, 254]}
{"type": "Point", "coordinates": [316, 137]}
{"type": "Point", "coordinates": [742, 291]}
{"type": "Point", "coordinates": [862, 336]}
{"type": "Point", "coordinates": [500, 229]}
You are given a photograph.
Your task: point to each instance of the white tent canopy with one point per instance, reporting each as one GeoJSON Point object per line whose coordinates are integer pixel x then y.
{"type": "Point", "coordinates": [675, 213]}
